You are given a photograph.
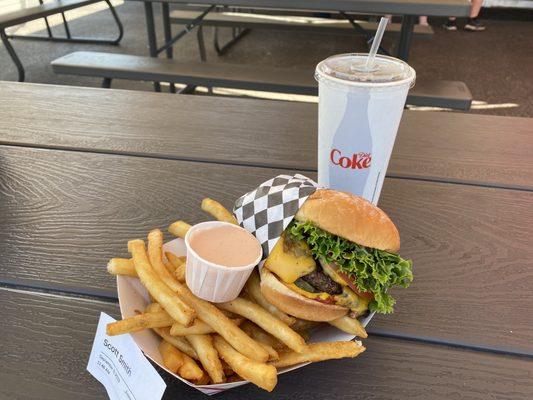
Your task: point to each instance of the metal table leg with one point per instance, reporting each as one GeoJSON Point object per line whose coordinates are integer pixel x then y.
{"type": "Point", "coordinates": [369, 38]}
{"type": "Point", "coordinates": [13, 55]}
{"type": "Point", "coordinates": [201, 43]}
{"type": "Point", "coordinates": [48, 29]}
{"type": "Point", "coordinates": [152, 38]}
{"type": "Point", "coordinates": [237, 35]}
{"type": "Point", "coordinates": [168, 35]}
{"type": "Point", "coordinates": [408, 24]}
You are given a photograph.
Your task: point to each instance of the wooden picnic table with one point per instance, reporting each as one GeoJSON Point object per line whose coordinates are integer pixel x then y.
{"type": "Point", "coordinates": [84, 170]}
{"type": "Point", "coordinates": [408, 9]}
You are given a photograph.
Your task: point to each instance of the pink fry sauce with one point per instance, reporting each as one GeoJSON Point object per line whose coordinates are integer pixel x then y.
{"type": "Point", "coordinates": [227, 245]}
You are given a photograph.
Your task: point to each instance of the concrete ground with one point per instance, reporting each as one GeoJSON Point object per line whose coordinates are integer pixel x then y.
{"type": "Point", "coordinates": [497, 65]}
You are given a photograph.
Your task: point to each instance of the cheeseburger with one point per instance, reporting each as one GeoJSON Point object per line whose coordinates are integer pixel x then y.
{"type": "Point", "coordinates": [338, 256]}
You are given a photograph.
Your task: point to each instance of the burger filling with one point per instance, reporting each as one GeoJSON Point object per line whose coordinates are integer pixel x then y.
{"type": "Point", "coordinates": [333, 270]}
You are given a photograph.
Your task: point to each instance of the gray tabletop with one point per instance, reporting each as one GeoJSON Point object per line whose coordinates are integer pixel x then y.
{"type": "Point", "coordinates": [457, 8]}
{"type": "Point", "coordinates": [84, 170]}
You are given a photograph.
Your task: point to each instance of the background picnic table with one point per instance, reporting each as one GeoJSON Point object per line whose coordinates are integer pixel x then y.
{"type": "Point", "coordinates": [84, 170]}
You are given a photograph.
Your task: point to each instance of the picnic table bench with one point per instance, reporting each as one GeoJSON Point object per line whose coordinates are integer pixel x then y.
{"type": "Point", "coordinates": [44, 10]}
{"type": "Point", "coordinates": [109, 66]}
{"type": "Point", "coordinates": [447, 94]}
{"type": "Point", "coordinates": [245, 21]}
{"type": "Point", "coordinates": [77, 182]}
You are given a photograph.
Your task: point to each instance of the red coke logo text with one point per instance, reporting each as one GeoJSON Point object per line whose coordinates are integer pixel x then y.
{"type": "Point", "coordinates": [359, 160]}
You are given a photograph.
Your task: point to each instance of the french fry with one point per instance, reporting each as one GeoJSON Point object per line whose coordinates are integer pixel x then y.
{"type": "Point", "coordinates": [267, 321]}
{"type": "Point", "coordinates": [227, 369]}
{"type": "Point", "coordinates": [212, 316]}
{"type": "Point", "coordinates": [180, 343]}
{"type": "Point", "coordinates": [139, 322]}
{"type": "Point", "coordinates": [163, 294]}
{"type": "Point", "coordinates": [179, 273]}
{"type": "Point", "coordinates": [302, 325]}
{"type": "Point", "coordinates": [121, 266]}
{"type": "Point", "coordinates": [229, 314]}
{"type": "Point", "coordinates": [319, 352]}
{"type": "Point", "coordinates": [234, 378]}
{"type": "Point", "coordinates": [155, 255]}
{"type": "Point", "coordinates": [170, 268]}
{"type": "Point", "coordinates": [253, 289]}
{"type": "Point", "coordinates": [204, 380]}
{"type": "Point", "coordinates": [172, 357]}
{"type": "Point", "coordinates": [272, 353]}
{"type": "Point", "coordinates": [263, 375]}
{"type": "Point", "coordinates": [218, 211]}
{"type": "Point", "coordinates": [153, 307]}
{"type": "Point", "coordinates": [203, 344]}
{"type": "Point", "coordinates": [175, 260]}
{"type": "Point", "coordinates": [190, 370]}
{"type": "Point", "coordinates": [350, 325]}
{"type": "Point", "coordinates": [198, 327]}
{"type": "Point", "coordinates": [179, 229]}
{"type": "Point", "coordinates": [262, 338]}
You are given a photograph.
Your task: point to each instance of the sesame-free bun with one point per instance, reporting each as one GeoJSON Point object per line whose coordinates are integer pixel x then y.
{"type": "Point", "coordinates": [350, 217]}
{"type": "Point", "coordinates": [295, 304]}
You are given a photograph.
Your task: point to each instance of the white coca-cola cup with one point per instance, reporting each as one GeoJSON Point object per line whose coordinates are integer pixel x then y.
{"type": "Point", "coordinates": [358, 116]}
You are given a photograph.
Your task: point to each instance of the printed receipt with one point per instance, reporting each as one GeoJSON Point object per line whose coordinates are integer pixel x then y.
{"type": "Point", "coordinates": [121, 367]}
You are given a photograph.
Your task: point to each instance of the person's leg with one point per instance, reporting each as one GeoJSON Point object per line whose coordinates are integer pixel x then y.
{"type": "Point", "coordinates": [423, 20]}
{"type": "Point", "coordinates": [473, 23]}
{"type": "Point", "coordinates": [476, 7]}
{"type": "Point", "coordinates": [451, 24]}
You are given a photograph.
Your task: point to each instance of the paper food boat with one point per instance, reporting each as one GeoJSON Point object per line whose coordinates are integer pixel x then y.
{"type": "Point", "coordinates": [287, 189]}
{"type": "Point", "coordinates": [133, 296]}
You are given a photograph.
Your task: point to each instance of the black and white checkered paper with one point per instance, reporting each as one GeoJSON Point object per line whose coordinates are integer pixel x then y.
{"type": "Point", "coordinates": [267, 210]}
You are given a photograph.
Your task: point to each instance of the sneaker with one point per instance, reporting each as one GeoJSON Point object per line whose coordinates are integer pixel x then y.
{"type": "Point", "coordinates": [450, 25]}
{"type": "Point", "coordinates": [474, 24]}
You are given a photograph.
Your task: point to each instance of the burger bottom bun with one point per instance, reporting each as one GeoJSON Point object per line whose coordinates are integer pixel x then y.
{"type": "Point", "coordinates": [295, 304]}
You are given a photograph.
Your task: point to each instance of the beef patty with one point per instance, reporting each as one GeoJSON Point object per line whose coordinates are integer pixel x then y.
{"type": "Point", "coordinates": [322, 282]}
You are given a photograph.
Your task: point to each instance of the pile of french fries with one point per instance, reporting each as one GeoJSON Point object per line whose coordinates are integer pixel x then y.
{"type": "Point", "coordinates": [207, 343]}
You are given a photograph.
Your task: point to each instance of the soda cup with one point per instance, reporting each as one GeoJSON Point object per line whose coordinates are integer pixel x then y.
{"type": "Point", "coordinates": [358, 116]}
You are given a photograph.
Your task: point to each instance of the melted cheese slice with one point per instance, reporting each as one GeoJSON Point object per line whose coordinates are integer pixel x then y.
{"type": "Point", "coordinates": [287, 265]}
{"type": "Point", "coordinates": [315, 296]}
{"type": "Point", "coordinates": [350, 300]}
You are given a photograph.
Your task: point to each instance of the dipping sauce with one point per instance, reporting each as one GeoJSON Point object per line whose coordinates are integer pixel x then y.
{"type": "Point", "coordinates": [227, 245]}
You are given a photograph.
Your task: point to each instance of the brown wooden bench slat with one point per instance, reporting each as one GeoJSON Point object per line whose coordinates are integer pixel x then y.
{"type": "Point", "coordinates": [44, 10]}
{"type": "Point", "coordinates": [291, 23]}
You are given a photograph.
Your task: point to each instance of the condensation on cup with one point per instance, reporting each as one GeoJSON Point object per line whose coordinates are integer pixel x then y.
{"type": "Point", "coordinates": [358, 116]}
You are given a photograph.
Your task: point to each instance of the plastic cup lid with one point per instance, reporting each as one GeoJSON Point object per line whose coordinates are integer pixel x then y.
{"type": "Point", "coordinates": [351, 69]}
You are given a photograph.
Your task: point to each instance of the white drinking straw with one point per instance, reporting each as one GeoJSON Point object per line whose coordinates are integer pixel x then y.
{"type": "Point", "coordinates": [376, 42]}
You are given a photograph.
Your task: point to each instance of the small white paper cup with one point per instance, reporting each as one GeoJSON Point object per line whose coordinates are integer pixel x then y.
{"type": "Point", "coordinates": [213, 282]}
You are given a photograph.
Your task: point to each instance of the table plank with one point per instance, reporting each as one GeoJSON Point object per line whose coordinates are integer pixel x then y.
{"type": "Point", "coordinates": [66, 213]}
{"type": "Point", "coordinates": [398, 7]}
{"type": "Point", "coordinates": [475, 149]}
{"type": "Point", "coordinates": [46, 342]}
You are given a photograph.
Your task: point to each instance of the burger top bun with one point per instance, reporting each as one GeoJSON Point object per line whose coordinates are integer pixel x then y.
{"type": "Point", "coordinates": [350, 217]}
{"type": "Point", "coordinates": [295, 304]}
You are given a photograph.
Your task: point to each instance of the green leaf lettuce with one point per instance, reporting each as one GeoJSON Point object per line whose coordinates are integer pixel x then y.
{"type": "Point", "coordinates": [374, 270]}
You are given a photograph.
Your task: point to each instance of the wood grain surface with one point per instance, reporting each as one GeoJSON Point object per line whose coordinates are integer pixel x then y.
{"type": "Point", "coordinates": [64, 214]}
{"type": "Point", "coordinates": [46, 341]}
{"type": "Point", "coordinates": [475, 149]}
